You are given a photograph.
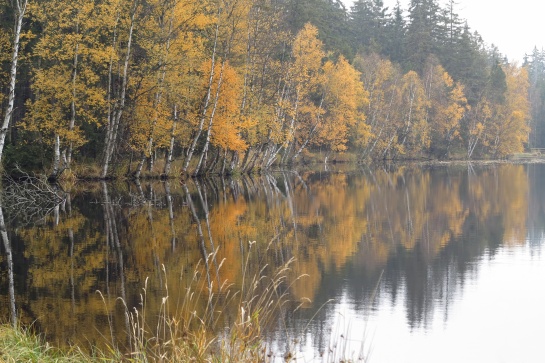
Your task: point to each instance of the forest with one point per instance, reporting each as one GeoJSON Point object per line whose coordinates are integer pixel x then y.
{"type": "Point", "coordinates": [138, 88]}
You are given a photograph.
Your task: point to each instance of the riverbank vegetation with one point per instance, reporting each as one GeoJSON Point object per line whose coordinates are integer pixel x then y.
{"type": "Point", "coordinates": [113, 88]}
{"type": "Point", "coordinates": [211, 322]}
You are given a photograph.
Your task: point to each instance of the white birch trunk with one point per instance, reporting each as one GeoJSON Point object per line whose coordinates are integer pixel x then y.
{"type": "Point", "coordinates": [68, 152]}
{"type": "Point", "coordinates": [56, 159]}
{"type": "Point", "coordinates": [111, 134]}
{"type": "Point", "coordinates": [170, 153]}
{"type": "Point", "coordinates": [72, 107]}
{"type": "Point", "coordinates": [20, 9]}
{"type": "Point", "coordinates": [211, 120]}
{"type": "Point", "coordinates": [206, 101]}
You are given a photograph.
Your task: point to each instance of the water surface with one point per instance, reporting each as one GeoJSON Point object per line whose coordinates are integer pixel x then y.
{"type": "Point", "coordinates": [406, 265]}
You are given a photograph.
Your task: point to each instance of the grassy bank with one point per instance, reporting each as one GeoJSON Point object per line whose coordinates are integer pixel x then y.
{"type": "Point", "coordinates": [21, 345]}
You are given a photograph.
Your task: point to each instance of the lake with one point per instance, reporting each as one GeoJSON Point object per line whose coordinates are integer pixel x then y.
{"type": "Point", "coordinates": [406, 264]}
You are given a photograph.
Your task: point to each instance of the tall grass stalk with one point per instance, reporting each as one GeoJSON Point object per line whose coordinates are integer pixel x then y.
{"type": "Point", "coordinates": [195, 328]}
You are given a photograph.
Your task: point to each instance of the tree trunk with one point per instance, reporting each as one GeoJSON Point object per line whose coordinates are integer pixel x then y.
{"type": "Point", "coordinates": [9, 261]}
{"type": "Point", "coordinates": [20, 9]}
{"type": "Point", "coordinates": [170, 152]}
{"type": "Point", "coordinates": [206, 103]}
{"type": "Point", "coordinates": [73, 104]}
{"type": "Point", "coordinates": [113, 127]}
{"type": "Point", "coordinates": [211, 120]}
{"type": "Point", "coordinates": [139, 167]}
{"type": "Point", "coordinates": [56, 167]}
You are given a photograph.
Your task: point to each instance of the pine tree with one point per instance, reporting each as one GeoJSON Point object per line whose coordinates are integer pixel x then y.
{"type": "Point", "coordinates": [396, 32]}
{"type": "Point", "coordinates": [423, 33]}
{"type": "Point", "coordinates": [368, 21]}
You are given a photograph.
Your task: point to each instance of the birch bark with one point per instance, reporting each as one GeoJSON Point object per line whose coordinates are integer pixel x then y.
{"type": "Point", "coordinates": [20, 7]}
{"type": "Point", "coordinates": [113, 127]}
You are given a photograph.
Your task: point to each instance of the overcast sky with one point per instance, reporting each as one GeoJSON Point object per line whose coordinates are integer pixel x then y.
{"type": "Point", "coordinates": [515, 27]}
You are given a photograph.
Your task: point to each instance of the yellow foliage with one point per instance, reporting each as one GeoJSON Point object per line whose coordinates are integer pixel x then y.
{"type": "Point", "coordinates": [228, 124]}
{"type": "Point", "coordinates": [415, 130]}
{"type": "Point", "coordinates": [344, 101]}
{"type": "Point", "coordinates": [67, 83]}
{"type": "Point", "coordinates": [447, 105]}
{"type": "Point", "coordinates": [508, 130]}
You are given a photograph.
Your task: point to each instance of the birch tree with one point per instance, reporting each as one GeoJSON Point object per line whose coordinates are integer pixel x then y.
{"type": "Point", "coordinates": [446, 107]}
{"type": "Point", "coordinates": [19, 9]}
{"type": "Point", "coordinates": [162, 26]}
{"type": "Point", "coordinates": [228, 44]}
{"type": "Point", "coordinates": [341, 109]}
{"type": "Point", "coordinates": [297, 109]}
{"type": "Point", "coordinates": [117, 85]}
{"type": "Point", "coordinates": [381, 80]}
{"type": "Point", "coordinates": [508, 131]}
{"type": "Point", "coordinates": [68, 94]}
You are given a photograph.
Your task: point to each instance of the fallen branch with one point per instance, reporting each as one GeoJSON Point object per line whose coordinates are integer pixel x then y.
{"type": "Point", "coordinates": [29, 198]}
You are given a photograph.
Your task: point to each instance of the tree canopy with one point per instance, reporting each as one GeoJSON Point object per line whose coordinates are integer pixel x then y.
{"type": "Point", "coordinates": [218, 86]}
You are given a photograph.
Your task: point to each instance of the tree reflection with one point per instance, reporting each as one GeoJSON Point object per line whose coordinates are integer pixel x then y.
{"type": "Point", "coordinates": [9, 262]}
{"type": "Point", "coordinates": [405, 236]}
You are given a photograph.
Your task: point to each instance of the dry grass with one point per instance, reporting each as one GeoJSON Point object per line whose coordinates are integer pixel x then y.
{"type": "Point", "coordinates": [190, 331]}
{"type": "Point", "coordinates": [187, 330]}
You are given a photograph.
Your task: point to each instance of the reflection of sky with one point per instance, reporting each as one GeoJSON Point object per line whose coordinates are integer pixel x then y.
{"type": "Point", "coordinates": [499, 316]}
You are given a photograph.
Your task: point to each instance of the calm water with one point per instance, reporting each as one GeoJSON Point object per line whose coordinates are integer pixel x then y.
{"type": "Point", "coordinates": [407, 265]}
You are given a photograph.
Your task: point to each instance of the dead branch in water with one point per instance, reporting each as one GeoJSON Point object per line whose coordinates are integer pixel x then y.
{"type": "Point", "coordinates": [30, 198]}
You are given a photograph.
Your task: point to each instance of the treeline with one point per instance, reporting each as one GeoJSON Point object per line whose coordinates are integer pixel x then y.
{"type": "Point", "coordinates": [183, 87]}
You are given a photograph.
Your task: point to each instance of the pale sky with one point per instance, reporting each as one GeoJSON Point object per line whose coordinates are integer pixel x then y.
{"type": "Point", "coordinates": [515, 27]}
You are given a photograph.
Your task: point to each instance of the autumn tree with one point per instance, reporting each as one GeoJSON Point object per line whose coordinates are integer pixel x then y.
{"type": "Point", "coordinates": [446, 107]}
{"type": "Point", "coordinates": [305, 80]}
{"type": "Point", "coordinates": [508, 131]}
{"type": "Point", "coordinates": [262, 73]}
{"type": "Point", "coordinates": [183, 80]}
{"type": "Point", "coordinates": [381, 80]}
{"type": "Point", "coordinates": [414, 134]}
{"type": "Point", "coordinates": [477, 121]}
{"type": "Point", "coordinates": [67, 81]}
{"type": "Point", "coordinates": [344, 102]}
{"type": "Point", "coordinates": [121, 33]}
{"type": "Point", "coordinates": [227, 40]}
{"type": "Point", "coordinates": [170, 42]}
{"type": "Point", "coordinates": [228, 125]}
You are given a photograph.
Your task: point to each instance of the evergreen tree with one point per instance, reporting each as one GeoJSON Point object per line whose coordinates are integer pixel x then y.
{"type": "Point", "coordinates": [467, 63]}
{"type": "Point", "coordinates": [396, 29]}
{"type": "Point", "coordinates": [423, 33]}
{"type": "Point", "coordinates": [329, 16]}
{"type": "Point", "coordinates": [497, 83]}
{"type": "Point", "coordinates": [368, 20]}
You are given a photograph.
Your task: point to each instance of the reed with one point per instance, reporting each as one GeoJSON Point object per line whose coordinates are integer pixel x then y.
{"type": "Point", "coordinates": [187, 330]}
{"type": "Point", "coordinates": [195, 328]}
